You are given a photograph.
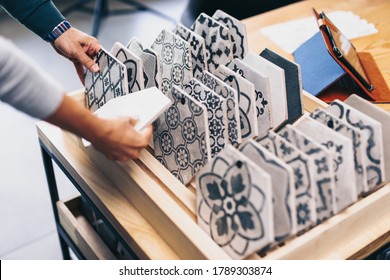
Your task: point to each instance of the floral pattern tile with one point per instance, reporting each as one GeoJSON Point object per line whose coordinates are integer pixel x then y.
{"type": "Point", "coordinates": [283, 191]}
{"type": "Point", "coordinates": [234, 204]}
{"type": "Point", "coordinates": [198, 49]}
{"type": "Point", "coordinates": [181, 136]}
{"type": "Point", "coordinates": [372, 139]}
{"type": "Point", "coordinates": [108, 83]}
{"type": "Point", "coordinates": [218, 41]}
{"type": "Point", "coordinates": [304, 185]}
{"type": "Point", "coordinates": [217, 113]}
{"type": "Point", "coordinates": [231, 96]}
{"type": "Point", "coordinates": [323, 173]}
{"type": "Point", "coordinates": [352, 133]}
{"type": "Point", "coordinates": [133, 64]}
{"type": "Point", "coordinates": [237, 31]}
{"type": "Point", "coordinates": [261, 84]}
{"type": "Point", "coordinates": [175, 60]}
{"type": "Point", "coordinates": [342, 150]}
{"type": "Point", "coordinates": [246, 100]}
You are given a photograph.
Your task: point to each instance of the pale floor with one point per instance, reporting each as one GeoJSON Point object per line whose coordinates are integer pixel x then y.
{"type": "Point", "coordinates": [27, 228]}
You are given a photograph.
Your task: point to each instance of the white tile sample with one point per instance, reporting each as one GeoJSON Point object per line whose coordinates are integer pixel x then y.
{"type": "Point", "coordinates": [261, 84]}
{"type": "Point", "coordinates": [181, 136]}
{"type": "Point", "coordinates": [342, 150]}
{"type": "Point", "coordinates": [325, 190]}
{"type": "Point", "coordinates": [283, 190]}
{"type": "Point", "coordinates": [234, 203]}
{"type": "Point", "coordinates": [246, 100]}
{"type": "Point", "coordinates": [231, 96]}
{"type": "Point", "coordinates": [277, 86]}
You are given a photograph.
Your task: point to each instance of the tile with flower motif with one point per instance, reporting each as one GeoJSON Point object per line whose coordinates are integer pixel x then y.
{"type": "Point", "coordinates": [133, 64]}
{"type": "Point", "coordinates": [181, 136]}
{"type": "Point", "coordinates": [150, 61]}
{"type": "Point", "coordinates": [246, 100]}
{"type": "Point", "coordinates": [108, 83]}
{"type": "Point", "coordinates": [292, 72]}
{"type": "Point", "coordinates": [342, 150]}
{"type": "Point", "coordinates": [234, 203]}
{"type": "Point", "coordinates": [261, 84]}
{"type": "Point", "coordinates": [198, 49]}
{"type": "Point", "coordinates": [283, 192]}
{"type": "Point", "coordinates": [325, 189]}
{"type": "Point", "coordinates": [381, 116]}
{"type": "Point", "coordinates": [352, 133]}
{"type": "Point", "coordinates": [372, 139]}
{"type": "Point", "coordinates": [217, 113]}
{"type": "Point", "coordinates": [237, 31]}
{"type": "Point", "coordinates": [231, 96]}
{"type": "Point", "coordinates": [277, 86]}
{"type": "Point", "coordinates": [175, 60]}
{"type": "Point", "coordinates": [217, 39]}
{"type": "Point", "coordinates": [303, 167]}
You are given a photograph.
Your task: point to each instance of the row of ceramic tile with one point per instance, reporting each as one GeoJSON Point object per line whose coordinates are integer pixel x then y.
{"type": "Point", "coordinates": [284, 183]}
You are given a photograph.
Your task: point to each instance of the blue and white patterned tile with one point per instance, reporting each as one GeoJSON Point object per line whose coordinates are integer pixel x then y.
{"type": "Point", "coordinates": [231, 96]}
{"type": "Point", "coordinates": [108, 83]}
{"type": "Point", "coordinates": [150, 60]}
{"type": "Point", "coordinates": [181, 136]}
{"type": "Point", "coordinates": [246, 100]}
{"type": "Point", "coordinates": [198, 49]}
{"type": "Point", "coordinates": [372, 139]}
{"type": "Point", "coordinates": [283, 191]}
{"type": "Point", "coordinates": [175, 60]}
{"type": "Point", "coordinates": [360, 158]}
{"type": "Point", "coordinates": [133, 64]}
{"type": "Point", "coordinates": [277, 86]}
{"type": "Point", "coordinates": [342, 150]}
{"type": "Point", "coordinates": [237, 31]}
{"type": "Point", "coordinates": [218, 41]}
{"type": "Point", "coordinates": [217, 113]}
{"type": "Point", "coordinates": [302, 166]}
{"type": "Point", "coordinates": [261, 84]}
{"type": "Point", "coordinates": [323, 173]}
{"type": "Point", "coordinates": [234, 204]}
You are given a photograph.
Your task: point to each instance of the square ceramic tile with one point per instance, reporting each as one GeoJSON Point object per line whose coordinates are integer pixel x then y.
{"type": "Point", "coordinates": [218, 41]}
{"type": "Point", "coordinates": [277, 86]}
{"type": "Point", "coordinates": [198, 49]}
{"type": "Point", "coordinates": [246, 100]}
{"type": "Point", "coordinates": [379, 115]}
{"type": "Point", "coordinates": [323, 173]}
{"type": "Point", "coordinates": [181, 136]}
{"type": "Point", "coordinates": [371, 132]}
{"type": "Point", "coordinates": [150, 61]}
{"type": "Point", "coordinates": [261, 84]}
{"type": "Point", "coordinates": [231, 96]}
{"type": "Point", "coordinates": [234, 203]}
{"type": "Point", "coordinates": [237, 31]}
{"type": "Point", "coordinates": [342, 149]}
{"type": "Point", "coordinates": [133, 64]}
{"type": "Point", "coordinates": [293, 79]}
{"type": "Point", "coordinates": [108, 83]}
{"type": "Point", "coordinates": [175, 60]}
{"type": "Point", "coordinates": [217, 113]}
{"type": "Point", "coordinates": [283, 191]}
{"type": "Point", "coordinates": [303, 169]}
{"type": "Point", "coordinates": [360, 158]}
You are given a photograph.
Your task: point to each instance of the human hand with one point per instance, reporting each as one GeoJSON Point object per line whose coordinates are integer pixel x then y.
{"type": "Point", "coordinates": [80, 48]}
{"type": "Point", "coordinates": [119, 141]}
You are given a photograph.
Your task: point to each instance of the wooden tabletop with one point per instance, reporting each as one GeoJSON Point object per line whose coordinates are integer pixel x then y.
{"type": "Point", "coordinates": [374, 11]}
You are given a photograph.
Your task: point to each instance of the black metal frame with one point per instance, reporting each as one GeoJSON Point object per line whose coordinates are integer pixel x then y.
{"type": "Point", "coordinates": [65, 240]}
{"type": "Point", "coordinates": [101, 10]}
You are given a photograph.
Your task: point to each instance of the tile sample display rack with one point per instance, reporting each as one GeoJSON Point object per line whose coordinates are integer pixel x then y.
{"type": "Point", "coordinates": [167, 209]}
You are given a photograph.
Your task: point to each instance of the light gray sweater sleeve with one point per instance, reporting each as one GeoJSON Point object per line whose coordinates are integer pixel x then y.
{"type": "Point", "coordinates": [26, 86]}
